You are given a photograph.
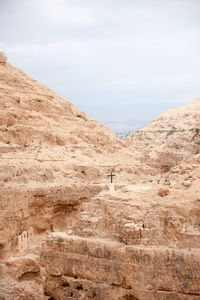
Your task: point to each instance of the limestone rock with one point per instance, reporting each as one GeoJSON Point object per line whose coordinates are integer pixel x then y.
{"type": "Point", "coordinates": [3, 58]}
{"type": "Point", "coordinates": [62, 234]}
{"type": "Point", "coordinates": [170, 138]}
{"type": "Point", "coordinates": [187, 183]}
{"type": "Point", "coordinates": [129, 271]}
{"type": "Point", "coordinates": [21, 267]}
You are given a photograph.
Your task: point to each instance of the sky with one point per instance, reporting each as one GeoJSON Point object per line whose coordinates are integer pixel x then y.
{"type": "Point", "coordinates": [119, 61]}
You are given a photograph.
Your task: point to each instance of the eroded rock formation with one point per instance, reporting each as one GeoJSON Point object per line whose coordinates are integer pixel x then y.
{"type": "Point", "coordinates": [63, 235]}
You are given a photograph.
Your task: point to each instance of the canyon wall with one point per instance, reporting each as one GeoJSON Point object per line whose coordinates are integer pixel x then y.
{"type": "Point", "coordinates": [63, 234]}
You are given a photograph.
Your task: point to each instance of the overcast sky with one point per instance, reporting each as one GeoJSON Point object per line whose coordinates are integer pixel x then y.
{"type": "Point", "coordinates": [118, 60]}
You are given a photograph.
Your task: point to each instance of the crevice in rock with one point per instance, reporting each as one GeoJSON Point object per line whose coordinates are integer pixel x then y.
{"type": "Point", "coordinates": [179, 293]}
{"type": "Point", "coordinates": [122, 286]}
{"type": "Point", "coordinates": [79, 287]}
{"type": "Point", "coordinates": [66, 284]}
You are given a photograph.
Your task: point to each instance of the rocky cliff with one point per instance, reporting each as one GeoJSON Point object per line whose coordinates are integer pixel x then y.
{"type": "Point", "coordinates": [142, 242]}
{"type": "Point", "coordinates": [63, 235]}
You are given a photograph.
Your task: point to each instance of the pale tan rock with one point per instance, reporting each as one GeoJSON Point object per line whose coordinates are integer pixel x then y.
{"type": "Point", "coordinates": [187, 183]}
{"type": "Point", "coordinates": [169, 139]}
{"type": "Point", "coordinates": [3, 58]}
{"type": "Point", "coordinates": [23, 266]}
{"type": "Point", "coordinates": [62, 234]}
{"type": "Point", "coordinates": [129, 271]}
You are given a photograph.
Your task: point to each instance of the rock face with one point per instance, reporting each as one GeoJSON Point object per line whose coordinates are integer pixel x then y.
{"type": "Point", "coordinates": [131, 245]}
{"type": "Point", "coordinates": [114, 271]}
{"type": "Point", "coordinates": [63, 234]}
{"type": "Point", "coordinates": [172, 137]}
{"type": "Point", "coordinates": [3, 58]}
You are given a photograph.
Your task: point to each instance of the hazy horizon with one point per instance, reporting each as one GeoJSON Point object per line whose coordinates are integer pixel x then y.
{"type": "Point", "coordinates": [120, 62]}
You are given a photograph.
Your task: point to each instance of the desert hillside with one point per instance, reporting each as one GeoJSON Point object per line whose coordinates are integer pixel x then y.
{"type": "Point", "coordinates": [171, 138]}
{"type": "Point", "coordinates": [65, 233]}
{"type": "Point", "coordinates": [39, 128]}
{"type": "Point", "coordinates": [35, 120]}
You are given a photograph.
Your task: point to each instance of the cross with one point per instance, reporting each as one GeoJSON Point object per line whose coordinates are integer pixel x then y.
{"type": "Point", "coordinates": [111, 177]}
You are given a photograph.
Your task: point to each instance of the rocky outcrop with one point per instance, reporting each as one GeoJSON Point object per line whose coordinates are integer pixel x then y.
{"type": "Point", "coordinates": [132, 244]}
{"type": "Point", "coordinates": [53, 159]}
{"type": "Point", "coordinates": [171, 138]}
{"type": "Point", "coordinates": [99, 269]}
{"type": "Point", "coordinates": [52, 156]}
{"type": "Point", "coordinates": [63, 233]}
{"type": "Point", "coordinates": [3, 58]}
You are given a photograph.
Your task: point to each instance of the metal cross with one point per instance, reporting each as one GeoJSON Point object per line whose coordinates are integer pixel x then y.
{"type": "Point", "coordinates": [111, 177]}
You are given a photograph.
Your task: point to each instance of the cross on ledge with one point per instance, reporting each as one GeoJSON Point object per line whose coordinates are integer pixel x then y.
{"type": "Point", "coordinates": [111, 177]}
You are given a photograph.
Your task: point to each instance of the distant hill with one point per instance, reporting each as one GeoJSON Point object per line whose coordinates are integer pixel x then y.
{"type": "Point", "coordinates": [171, 138]}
